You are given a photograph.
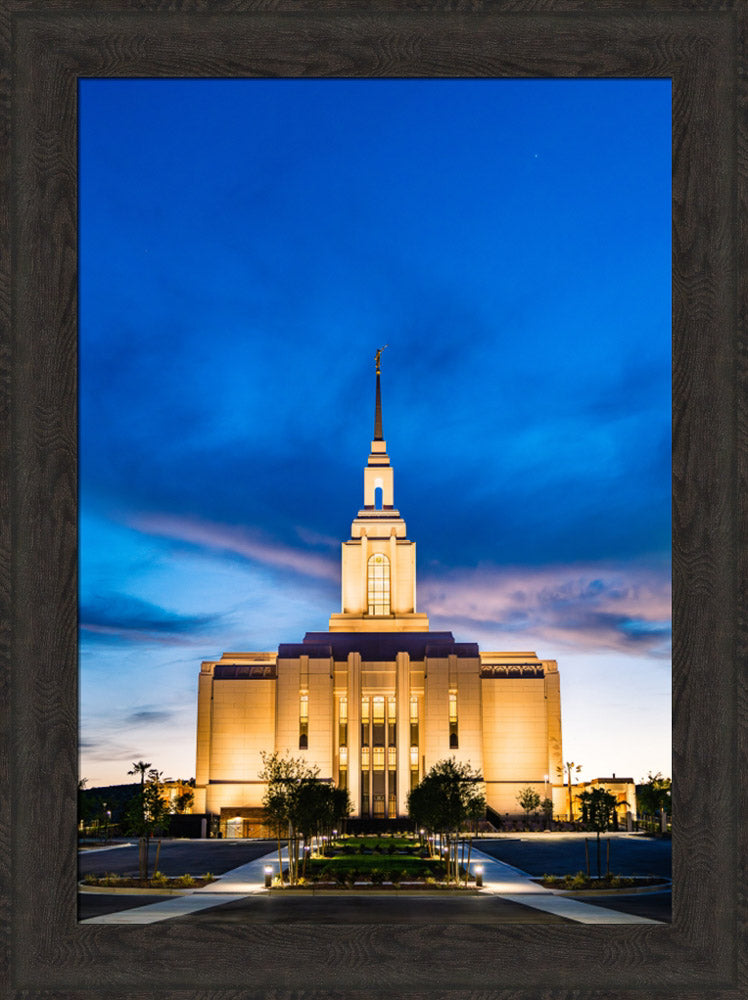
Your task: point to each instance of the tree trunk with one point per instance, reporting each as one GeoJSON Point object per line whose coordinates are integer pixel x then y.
{"type": "Point", "coordinates": [158, 853]}
{"type": "Point", "coordinates": [280, 858]}
{"type": "Point", "coordinates": [599, 866]}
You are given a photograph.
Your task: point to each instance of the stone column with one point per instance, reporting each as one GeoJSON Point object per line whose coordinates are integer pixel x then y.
{"type": "Point", "coordinates": [354, 731]}
{"type": "Point", "coordinates": [402, 690]}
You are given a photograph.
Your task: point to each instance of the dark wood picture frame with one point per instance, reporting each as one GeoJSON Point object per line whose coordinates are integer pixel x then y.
{"type": "Point", "coordinates": [47, 46]}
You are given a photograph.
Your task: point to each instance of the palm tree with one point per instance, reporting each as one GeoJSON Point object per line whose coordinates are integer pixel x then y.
{"type": "Point", "coordinates": [140, 768]}
{"type": "Point", "coordinates": [570, 767]}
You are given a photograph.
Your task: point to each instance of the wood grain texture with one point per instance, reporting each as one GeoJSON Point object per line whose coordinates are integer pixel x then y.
{"type": "Point", "coordinates": [701, 47]}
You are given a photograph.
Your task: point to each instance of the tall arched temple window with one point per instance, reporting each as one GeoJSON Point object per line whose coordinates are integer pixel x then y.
{"type": "Point", "coordinates": [378, 584]}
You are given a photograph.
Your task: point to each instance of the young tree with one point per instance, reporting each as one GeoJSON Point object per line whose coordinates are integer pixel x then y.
{"type": "Point", "coordinates": [529, 799]}
{"type": "Point", "coordinates": [147, 815]}
{"type": "Point", "coordinates": [448, 798]}
{"type": "Point", "coordinates": [293, 803]}
{"type": "Point", "coordinates": [566, 771]}
{"type": "Point", "coordinates": [141, 767]}
{"type": "Point", "coordinates": [654, 794]}
{"type": "Point", "coordinates": [598, 806]}
{"type": "Point", "coordinates": [84, 803]}
{"type": "Point", "coordinates": [547, 806]}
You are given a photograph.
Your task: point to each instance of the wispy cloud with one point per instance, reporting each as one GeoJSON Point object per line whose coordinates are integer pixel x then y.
{"type": "Point", "coordinates": [148, 716]}
{"type": "Point", "coordinates": [590, 607]}
{"type": "Point", "coordinates": [237, 541]}
{"type": "Point", "coordinates": [117, 617]}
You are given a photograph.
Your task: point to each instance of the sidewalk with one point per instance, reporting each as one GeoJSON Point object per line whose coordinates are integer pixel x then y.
{"type": "Point", "coordinates": [499, 879]}
{"type": "Point", "coordinates": [235, 884]}
{"type": "Point", "coordinates": [518, 887]}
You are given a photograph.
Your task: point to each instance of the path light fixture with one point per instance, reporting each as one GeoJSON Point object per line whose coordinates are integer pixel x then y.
{"type": "Point", "coordinates": [268, 875]}
{"type": "Point", "coordinates": [478, 876]}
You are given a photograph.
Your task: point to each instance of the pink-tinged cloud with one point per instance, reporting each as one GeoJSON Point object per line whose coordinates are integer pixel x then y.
{"type": "Point", "coordinates": [239, 542]}
{"type": "Point", "coordinates": [624, 608]}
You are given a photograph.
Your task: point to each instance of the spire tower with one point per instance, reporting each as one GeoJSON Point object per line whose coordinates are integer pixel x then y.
{"type": "Point", "coordinates": [378, 405]}
{"type": "Point", "coordinates": [378, 586]}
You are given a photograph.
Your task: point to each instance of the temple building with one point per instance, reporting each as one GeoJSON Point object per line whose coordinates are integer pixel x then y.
{"type": "Point", "coordinates": [378, 698]}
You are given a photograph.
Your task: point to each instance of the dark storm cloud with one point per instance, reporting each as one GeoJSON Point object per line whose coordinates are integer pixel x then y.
{"type": "Point", "coordinates": [122, 617]}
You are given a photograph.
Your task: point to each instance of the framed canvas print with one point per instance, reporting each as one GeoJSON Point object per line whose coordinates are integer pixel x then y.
{"type": "Point", "coordinates": [256, 253]}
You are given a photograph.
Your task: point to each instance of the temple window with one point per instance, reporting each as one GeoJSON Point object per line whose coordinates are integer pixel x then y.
{"type": "Point", "coordinates": [378, 584]}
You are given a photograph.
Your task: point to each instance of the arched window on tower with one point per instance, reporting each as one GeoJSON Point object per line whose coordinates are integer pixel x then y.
{"type": "Point", "coordinates": [378, 494]}
{"type": "Point", "coordinates": [378, 580]}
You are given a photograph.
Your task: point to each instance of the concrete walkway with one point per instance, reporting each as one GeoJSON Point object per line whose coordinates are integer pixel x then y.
{"type": "Point", "coordinates": [518, 887]}
{"type": "Point", "coordinates": [235, 884]}
{"type": "Point", "coordinates": [499, 879]}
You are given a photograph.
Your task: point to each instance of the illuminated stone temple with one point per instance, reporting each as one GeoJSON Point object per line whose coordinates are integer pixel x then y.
{"type": "Point", "coordinates": [378, 698]}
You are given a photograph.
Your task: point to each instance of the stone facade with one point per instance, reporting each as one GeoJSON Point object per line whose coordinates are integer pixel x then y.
{"type": "Point", "coordinates": [379, 698]}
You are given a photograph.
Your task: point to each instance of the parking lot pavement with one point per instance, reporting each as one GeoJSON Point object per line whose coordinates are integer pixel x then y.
{"type": "Point", "coordinates": [177, 857]}
{"type": "Point", "coordinates": [513, 898]}
{"type": "Point", "coordinates": [561, 854]}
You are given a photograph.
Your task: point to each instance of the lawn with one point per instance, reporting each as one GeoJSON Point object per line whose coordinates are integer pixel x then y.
{"type": "Point", "coordinates": [375, 859]}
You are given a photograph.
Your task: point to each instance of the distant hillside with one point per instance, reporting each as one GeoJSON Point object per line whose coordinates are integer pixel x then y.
{"type": "Point", "coordinates": [93, 802]}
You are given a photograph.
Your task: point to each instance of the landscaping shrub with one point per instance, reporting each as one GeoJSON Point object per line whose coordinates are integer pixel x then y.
{"type": "Point", "coordinates": [185, 882]}
{"type": "Point", "coordinates": [377, 876]}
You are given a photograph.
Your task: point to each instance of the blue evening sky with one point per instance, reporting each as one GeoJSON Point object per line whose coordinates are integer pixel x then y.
{"type": "Point", "coordinates": [245, 246]}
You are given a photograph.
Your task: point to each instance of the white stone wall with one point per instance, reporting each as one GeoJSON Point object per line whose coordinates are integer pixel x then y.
{"type": "Point", "coordinates": [515, 739]}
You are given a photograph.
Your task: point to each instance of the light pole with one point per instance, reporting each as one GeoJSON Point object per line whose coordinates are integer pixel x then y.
{"type": "Point", "coordinates": [268, 876]}
{"type": "Point", "coordinates": [478, 876]}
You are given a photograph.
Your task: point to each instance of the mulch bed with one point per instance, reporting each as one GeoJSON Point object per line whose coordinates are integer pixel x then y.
{"type": "Point", "coordinates": [139, 883]}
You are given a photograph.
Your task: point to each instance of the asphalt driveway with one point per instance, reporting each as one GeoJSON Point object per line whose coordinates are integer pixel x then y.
{"type": "Point", "coordinates": [562, 854]}
{"type": "Point", "coordinates": [177, 857]}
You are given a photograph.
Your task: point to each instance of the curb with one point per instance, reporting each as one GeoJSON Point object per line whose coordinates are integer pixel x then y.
{"type": "Point", "coordinates": [373, 892]}
{"type": "Point", "coordinates": [632, 890]}
{"type": "Point", "coordinates": [135, 891]}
